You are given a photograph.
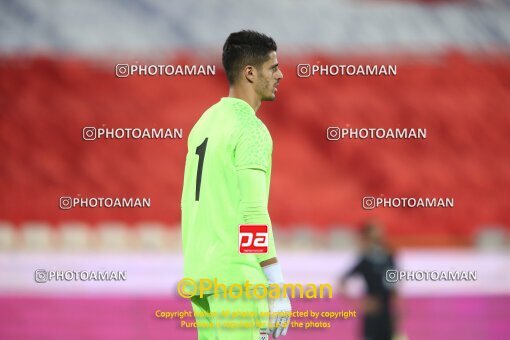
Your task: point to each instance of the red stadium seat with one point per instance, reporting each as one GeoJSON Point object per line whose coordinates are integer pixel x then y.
{"type": "Point", "coordinates": [315, 181]}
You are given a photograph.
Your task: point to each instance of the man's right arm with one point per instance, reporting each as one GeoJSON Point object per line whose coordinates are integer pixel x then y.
{"type": "Point", "coordinates": [253, 190]}
{"type": "Point", "coordinates": [252, 156]}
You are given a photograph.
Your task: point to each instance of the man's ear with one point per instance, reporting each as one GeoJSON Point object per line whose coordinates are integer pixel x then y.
{"type": "Point", "coordinates": [250, 73]}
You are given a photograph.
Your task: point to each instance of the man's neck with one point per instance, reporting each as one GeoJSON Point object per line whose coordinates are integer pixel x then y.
{"type": "Point", "coordinates": [250, 97]}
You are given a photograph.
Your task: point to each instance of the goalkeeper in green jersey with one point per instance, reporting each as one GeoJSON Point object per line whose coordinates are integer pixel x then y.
{"type": "Point", "coordinates": [226, 184]}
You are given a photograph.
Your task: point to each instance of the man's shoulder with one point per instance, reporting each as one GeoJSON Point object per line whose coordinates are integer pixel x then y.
{"type": "Point", "coordinates": [233, 116]}
{"type": "Point", "coordinates": [230, 112]}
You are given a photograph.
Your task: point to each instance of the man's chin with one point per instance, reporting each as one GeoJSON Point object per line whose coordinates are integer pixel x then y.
{"type": "Point", "coordinates": [269, 98]}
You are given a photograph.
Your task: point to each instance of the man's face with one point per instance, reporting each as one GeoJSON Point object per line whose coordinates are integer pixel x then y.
{"type": "Point", "coordinates": [268, 78]}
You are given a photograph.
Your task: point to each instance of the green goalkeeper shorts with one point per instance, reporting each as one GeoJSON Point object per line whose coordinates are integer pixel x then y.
{"type": "Point", "coordinates": [226, 318]}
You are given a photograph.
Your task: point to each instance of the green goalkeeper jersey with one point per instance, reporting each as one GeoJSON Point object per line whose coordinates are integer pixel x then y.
{"type": "Point", "coordinates": [227, 138]}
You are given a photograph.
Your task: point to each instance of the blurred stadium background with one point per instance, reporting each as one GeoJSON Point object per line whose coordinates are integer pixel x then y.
{"type": "Point", "coordinates": [57, 61]}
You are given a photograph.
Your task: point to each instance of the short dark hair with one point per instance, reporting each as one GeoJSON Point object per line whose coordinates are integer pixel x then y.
{"type": "Point", "coordinates": [368, 226]}
{"type": "Point", "coordinates": [245, 48]}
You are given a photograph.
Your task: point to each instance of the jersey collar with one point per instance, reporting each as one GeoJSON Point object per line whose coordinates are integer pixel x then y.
{"type": "Point", "coordinates": [237, 101]}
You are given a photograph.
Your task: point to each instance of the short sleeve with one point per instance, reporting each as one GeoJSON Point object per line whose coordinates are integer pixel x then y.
{"type": "Point", "coordinates": [254, 146]}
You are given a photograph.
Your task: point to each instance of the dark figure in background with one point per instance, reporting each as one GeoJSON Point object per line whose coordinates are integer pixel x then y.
{"type": "Point", "coordinates": [376, 259]}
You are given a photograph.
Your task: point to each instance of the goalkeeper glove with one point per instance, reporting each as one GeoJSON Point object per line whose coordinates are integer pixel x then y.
{"type": "Point", "coordinates": [279, 308]}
